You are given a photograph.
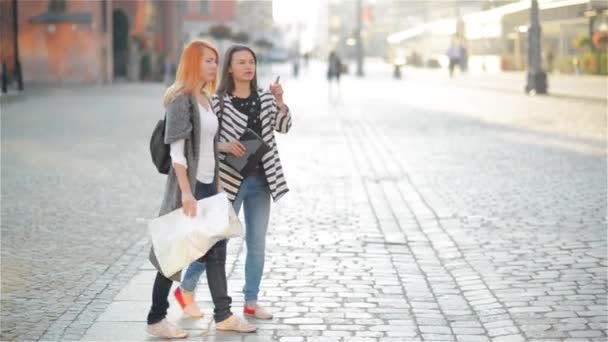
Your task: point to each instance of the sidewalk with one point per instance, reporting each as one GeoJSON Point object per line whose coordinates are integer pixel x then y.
{"type": "Point", "coordinates": [585, 87]}
{"type": "Point", "coordinates": [582, 87]}
{"type": "Point", "coordinates": [124, 318]}
{"type": "Point", "coordinates": [411, 225]}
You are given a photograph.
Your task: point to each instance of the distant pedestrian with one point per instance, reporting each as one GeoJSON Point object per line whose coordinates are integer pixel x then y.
{"type": "Point", "coordinates": [453, 54]}
{"type": "Point", "coordinates": [464, 58]}
{"type": "Point", "coordinates": [169, 71]}
{"type": "Point", "coordinates": [550, 61]}
{"type": "Point", "coordinates": [295, 64]}
{"type": "Point", "coordinates": [334, 70]}
{"type": "Point", "coordinates": [334, 67]}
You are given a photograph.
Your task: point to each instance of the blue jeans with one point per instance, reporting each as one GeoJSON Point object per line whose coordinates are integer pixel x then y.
{"type": "Point", "coordinates": [254, 195]}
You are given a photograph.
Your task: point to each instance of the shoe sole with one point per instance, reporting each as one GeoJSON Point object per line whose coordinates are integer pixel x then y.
{"type": "Point", "coordinates": [194, 316]}
{"type": "Point", "coordinates": [239, 331]}
{"type": "Point", "coordinates": [167, 338]}
{"type": "Point", "coordinates": [256, 317]}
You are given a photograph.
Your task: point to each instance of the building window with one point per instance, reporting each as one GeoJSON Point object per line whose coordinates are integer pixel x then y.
{"type": "Point", "coordinates": [57, 6]}
{"type": "Point", "coordinates": [57, 12]}
{"type": "Point", "coordinates": [204, 6]}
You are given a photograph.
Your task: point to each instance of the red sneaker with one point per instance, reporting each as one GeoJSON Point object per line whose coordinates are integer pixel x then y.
{"type": "Point", "coordinates": [188, 304]}
{"type": "Point", "coordinates": [179, 297]}
{"type": "Point", "coordinates": [257, 312]}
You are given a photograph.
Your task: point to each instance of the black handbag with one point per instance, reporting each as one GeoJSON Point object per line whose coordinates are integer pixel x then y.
{"type": "Point", "coordinates": [255, 149]}
{"type": "Point", "coordinates": [159, 151]}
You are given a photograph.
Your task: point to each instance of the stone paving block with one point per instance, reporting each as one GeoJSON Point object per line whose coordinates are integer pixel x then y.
{"type": "Point", "coordinates": [494, 332]}
{"type": "Point", "coordinates": [292, 339]}
{"type": "Point", "coordinates": [498, 324]}
{"type": "Point", "coordinates": [117, 331]}
{"type": "Point", "coordinates": [509, 338]}
{"type": "Point", "coordinates": [438, 337]}
{"type": "Point", "coordinates": [472, 338]}
{"type": "Point", "coordinates": [372, 334]}
{"type": "Point", "coordinates": [337, 333]}
{"type": "Point", "coordinates": [586, 333]}
{"type": "Point", "coordinates": [303, 321]}
{"type": "Point", "coordinates": [323, 339]}
{"type": "Point", "coordinates": [297, 333]}
{"type": "Point", "coordinates": [468, 331]}
{"type": "Point", "coordinates": [361, 339]}
{"type": "Point", "coordinates": [435, 329]}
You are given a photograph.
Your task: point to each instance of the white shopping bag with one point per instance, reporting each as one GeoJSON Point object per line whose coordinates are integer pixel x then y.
{"type": "Point", "coordinates": [178, 240]}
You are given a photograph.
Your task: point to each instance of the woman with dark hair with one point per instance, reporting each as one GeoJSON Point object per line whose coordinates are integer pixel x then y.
{"type": "Point", "coordinates": [241, 105]}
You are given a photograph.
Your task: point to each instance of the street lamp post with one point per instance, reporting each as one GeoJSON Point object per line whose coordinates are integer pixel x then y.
{"type": "Point", "coordinates": [359, 41]}
{"type": "Point", "coordinates": [537, 78]}
{"type": "Point", "coordinates": [18, 75]}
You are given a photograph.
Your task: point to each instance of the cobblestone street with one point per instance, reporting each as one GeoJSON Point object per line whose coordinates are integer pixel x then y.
{"type": "Point", "coordinates": [417, 211]}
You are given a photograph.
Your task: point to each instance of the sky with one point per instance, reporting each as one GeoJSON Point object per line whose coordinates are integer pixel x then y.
{"type": "Point", "coordinates": [306, 12]}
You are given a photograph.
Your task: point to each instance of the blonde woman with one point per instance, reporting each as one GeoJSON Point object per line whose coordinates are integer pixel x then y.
{"type": "Point", "coordinates": [191, 130]}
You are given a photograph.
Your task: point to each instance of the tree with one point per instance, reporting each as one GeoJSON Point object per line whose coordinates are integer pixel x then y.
{"type": "Point", "coordinates": [220, 32]}
{"type": "Point", "coordinates": [241, 37]}
{"type": "Point", "coordinates": [263, 43]}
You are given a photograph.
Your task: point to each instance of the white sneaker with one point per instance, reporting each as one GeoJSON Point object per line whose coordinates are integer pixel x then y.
{"type": "Point", "coordinates": [193, 311]}
{"type": "Point", "coordinates": [257, 312]}
{"type": "Point", "coordinates": [164, 329]}
{"type": "Point", "coordinates": [234, 323]}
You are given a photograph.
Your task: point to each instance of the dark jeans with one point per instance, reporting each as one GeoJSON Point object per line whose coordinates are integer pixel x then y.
{"type": "Point", "coordinates": [216, 275]}
{"type": "Point", "coordinates": [453, 63]}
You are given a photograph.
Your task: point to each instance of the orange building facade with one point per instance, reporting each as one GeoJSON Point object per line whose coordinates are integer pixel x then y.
{"type": "Point", "coordinates": [91, 42]}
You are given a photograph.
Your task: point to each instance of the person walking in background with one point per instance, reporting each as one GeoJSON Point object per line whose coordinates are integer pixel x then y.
{"type": "Point", "coordinates": [334, 70]}
{"type": "Point", "coordinates": [464, 58]}
{"type": "Point", "coordinates": [295, 64]}
{"type": "Point", "coordinates": [334, 67]}
{"type": "Point", "coordinates": [454, 55]}
{"type": "Point", "coordinates": [550, 60]}
{"type": "Point", "coordinates": [241, 105]}
{"type": "Point", "coordinates": [169, 71]}
{"type": "Point", "coordinates": [191, 132]}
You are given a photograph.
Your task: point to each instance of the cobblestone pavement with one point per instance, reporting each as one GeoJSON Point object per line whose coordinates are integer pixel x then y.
{"type": "Point", "coordinates": [415, 213]}
{"type": "Point", "coordinates": [75, 183]}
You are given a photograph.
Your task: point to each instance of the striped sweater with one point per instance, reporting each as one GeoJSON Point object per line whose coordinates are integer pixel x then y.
{"type": "Point", "coordinates": [234, 124]}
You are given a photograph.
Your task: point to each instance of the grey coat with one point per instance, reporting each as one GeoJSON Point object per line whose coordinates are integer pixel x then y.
{"type": "Point", "coordinates": [183, 122]}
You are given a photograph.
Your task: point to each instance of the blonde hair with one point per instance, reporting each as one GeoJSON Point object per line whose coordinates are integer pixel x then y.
{"type": "Point", "coordinates": [188, 75]}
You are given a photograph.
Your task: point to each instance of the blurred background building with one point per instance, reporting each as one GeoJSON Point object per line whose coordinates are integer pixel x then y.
{"type": "Point", "coordinates": [99, 41]}
{"type": "Point", "coordinates": [70, 41]}
{"type": "Point", "coordinates": [206, 19]}
{"type": "Point", "coordinates": [494, 32]}
{"type": "Point", "coordinates": [232, 21]}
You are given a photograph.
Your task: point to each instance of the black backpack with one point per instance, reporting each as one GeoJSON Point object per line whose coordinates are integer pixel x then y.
{"type": "Point", "coordinates": [159, 151]}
